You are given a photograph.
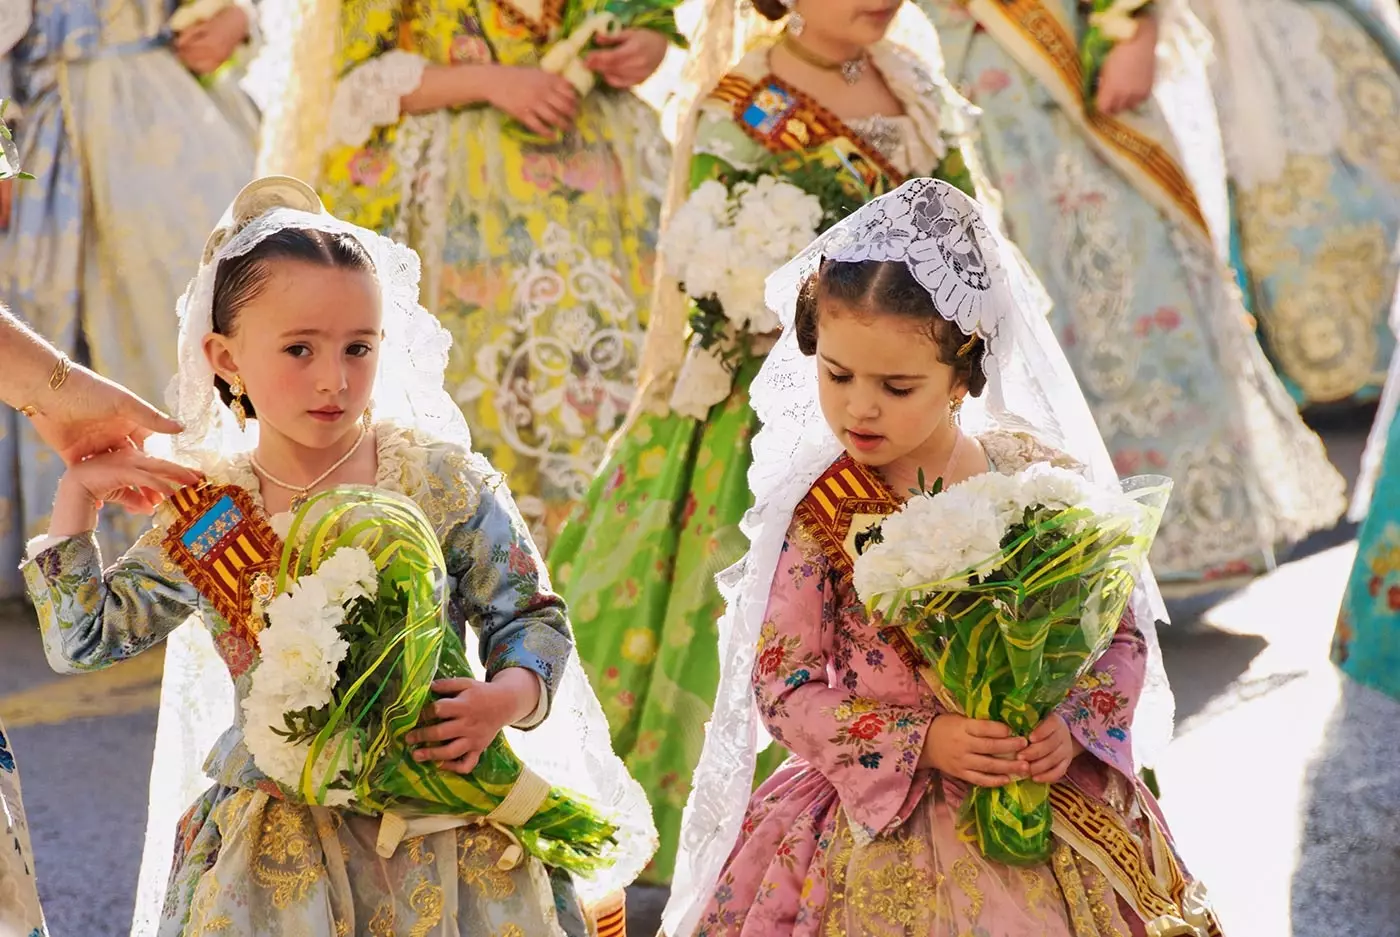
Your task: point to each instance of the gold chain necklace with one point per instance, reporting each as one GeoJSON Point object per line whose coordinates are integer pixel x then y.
{"type": "Point", "coordinates": [302, 491]}
{"type": "Point", "coordinates": [851, 70]}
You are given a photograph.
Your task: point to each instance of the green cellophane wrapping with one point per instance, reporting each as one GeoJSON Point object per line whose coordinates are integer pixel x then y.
{"type": "Point", "coordinates": [1008, 640]}
{"type": "Point", "coordinates": [400, 643]}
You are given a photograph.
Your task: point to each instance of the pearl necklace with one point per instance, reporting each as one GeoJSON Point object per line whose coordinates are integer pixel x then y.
{"type": "Point", "coordinates": [302, 491]}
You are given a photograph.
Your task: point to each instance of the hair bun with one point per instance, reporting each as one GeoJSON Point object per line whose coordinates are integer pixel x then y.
{"type": "Point", "coordinates": [256, 199]}
{"type": "Point", "coordinates": [269, 192]}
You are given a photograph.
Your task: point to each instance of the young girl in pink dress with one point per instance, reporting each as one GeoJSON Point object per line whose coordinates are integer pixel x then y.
{"type": "Point", "coordinates": [932, 360]}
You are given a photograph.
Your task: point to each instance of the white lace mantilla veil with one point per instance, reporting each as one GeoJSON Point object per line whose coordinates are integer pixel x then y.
{"type": "Point", "coordinates": [572, 747]}
{"type": "Point", "coordinates": [978, 281]}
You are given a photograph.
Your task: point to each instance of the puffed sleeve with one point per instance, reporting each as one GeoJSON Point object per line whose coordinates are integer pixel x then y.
{"type": "Point", "coordinates": [866, 748]}
{"type": "Point", "coordinates": [504, 591]}
{"type": "Point", "coordinates": [90, 619]}
{"type": "Point", "coordinates": [1099, 710]}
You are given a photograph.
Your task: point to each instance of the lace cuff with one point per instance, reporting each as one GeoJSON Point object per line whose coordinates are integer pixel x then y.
{"type": "Point", "coordinates": [704, 381]}
{"type": "Point", "coordinates": [368, 97]}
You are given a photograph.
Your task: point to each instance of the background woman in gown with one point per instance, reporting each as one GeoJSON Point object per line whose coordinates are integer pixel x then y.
{"type": "Point", "coordinates": [537, 248]}
{"type": "Point", "coordinates": [638, 558]}
{"type": "Point", "coordinates": [1118, 201]}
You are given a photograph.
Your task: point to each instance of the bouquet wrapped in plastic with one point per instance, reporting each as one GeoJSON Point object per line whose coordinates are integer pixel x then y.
{"type": "Point", "coordinates": [1004, 590]}
{"type": "Point", "coordinates": [356, 632]}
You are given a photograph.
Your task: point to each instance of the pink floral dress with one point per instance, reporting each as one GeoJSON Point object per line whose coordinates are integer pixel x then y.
{"type": "Point", "coordinates": [850, 837]}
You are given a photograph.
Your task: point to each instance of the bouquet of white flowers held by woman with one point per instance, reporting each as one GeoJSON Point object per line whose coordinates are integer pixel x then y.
{"type": "Point", "coordinates": [1003, 591]}
{"type": "Point", "coordinates": [735, 230]}
{"type": "Point", "coordinates": [355, 633]}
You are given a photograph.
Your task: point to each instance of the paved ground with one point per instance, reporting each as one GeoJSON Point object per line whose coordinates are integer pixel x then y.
{"type": "Point", "coordinates": [1283, 783]}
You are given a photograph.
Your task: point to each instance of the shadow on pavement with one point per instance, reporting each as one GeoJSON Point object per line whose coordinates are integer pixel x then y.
{"type": "Point", "coordinates": [1203, 662]}
{"type": "Point", "coordinates": [1345, 884]}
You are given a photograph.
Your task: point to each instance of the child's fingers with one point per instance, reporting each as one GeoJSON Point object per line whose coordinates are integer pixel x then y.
{"type": "Point", "coordinates": [452, 685]}
{"type": "Point", "coordinates": [984, 780]}
{"type": "Point", "coordinates": [1039, 751]}
{"type": "Point", "coordinates": [985, 746]}
{"type": "Point", "coordinates": [439, 731]}
{"type": "Point", "coordinates": [983, 728]}
{"type": "Point", "coordinates": [1052, 774]}
{"type": "Point", "coordinates": [988, 765]}
{"type": "Point", "coordinates": [450, 752]}
{"type": "Point", "coordinates": [464, 765]}
{"type": "Point", "coordinates": [1048, 761]}
{"type": "Point", "coordinates": [1052, 725]}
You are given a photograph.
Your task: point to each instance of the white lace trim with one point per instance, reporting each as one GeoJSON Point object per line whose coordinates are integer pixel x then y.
{"type": "Point", "coordinates": [368, 97]}
{"type": "Point", "coordinates": [15, 17]}
{"type": "Point", "coordinates": [924, 99]}
{"type": "Point", "coordinates": [1275, 88]}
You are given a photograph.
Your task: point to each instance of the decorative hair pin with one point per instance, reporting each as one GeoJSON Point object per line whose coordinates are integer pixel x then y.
{"type": "Point", "coordinates": [967, 347]}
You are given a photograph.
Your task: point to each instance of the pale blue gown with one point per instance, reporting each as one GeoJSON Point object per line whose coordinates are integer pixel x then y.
{"type": "Point", "coordinates": [1145, 306]}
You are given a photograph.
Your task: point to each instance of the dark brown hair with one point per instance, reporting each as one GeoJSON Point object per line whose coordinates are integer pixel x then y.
{"type": "Point", "coordinates": [771, 9]}
{"type": "Point", "coordinates": [888, 287]}
{"type": "Point", "coordinates": [239, 280]}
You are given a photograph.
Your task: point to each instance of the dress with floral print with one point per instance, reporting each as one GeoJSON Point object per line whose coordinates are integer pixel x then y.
{"type": "Point", "coordinates": [248, 861]}
{"type": "Point", "coordinates": [850, 836]}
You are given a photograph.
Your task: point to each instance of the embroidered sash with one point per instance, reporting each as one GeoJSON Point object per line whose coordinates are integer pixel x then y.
{"type": "Point", "coordinates": [1035, 34]}
{"type": "Point", "coordinates": [782, 119]}
{"type": "Point", "coordinates": [226, 549]}
{"type": "Point", "coordinates": [839, 509]}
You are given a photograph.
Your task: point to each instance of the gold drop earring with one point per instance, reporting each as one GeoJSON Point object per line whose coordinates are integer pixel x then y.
{"type": "Point", "coordinates": [367, 419]}
{"type": "Point", "coordinates": [235, 390]}
{"type": "Point", "coordinates": [954, 409]}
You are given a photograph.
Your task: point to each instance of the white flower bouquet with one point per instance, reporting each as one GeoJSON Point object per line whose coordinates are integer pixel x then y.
{"type": "Point", "coordinates": [1003, 590]}
{"type": "Point", "coordinates": [355, 633]}
{"type": "Point", "coordinates": [726, 239]}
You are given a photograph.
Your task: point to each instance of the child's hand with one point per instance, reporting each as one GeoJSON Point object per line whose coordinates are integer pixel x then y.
{"type": "Point", "coordinates": [630, 57]}
{"type": "Point", "coordinates": [974, 750]}
{"type": "Point", "coordinates": [1129, 70]}
{"type": "Point", "coordinates": [1052, 749]}
{"type": "Point", "coordinates": [471, 715]}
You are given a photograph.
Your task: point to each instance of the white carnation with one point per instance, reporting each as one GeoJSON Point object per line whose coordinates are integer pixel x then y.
{"type": "Point", "coordinates": [283, 761]}
{"type": "Point", "coordinates": [933, 539]}
{"type": "Point", "coordinates": [301, 647]}
{"type": "Point", "coordinates": [348, 574]}
{"type": "Point", "coordinates": [741, 296]}
{"type": "Point", "coordinates": [1053, 487]}
{"type": "Point", "coordinates": [704, 212]}
{"type": "Point", "coordinates": [338, 757]}
{"type": "Point", "coordinates": [275, 757]}
{"type": "Point", "coordinates": [707, 262]}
